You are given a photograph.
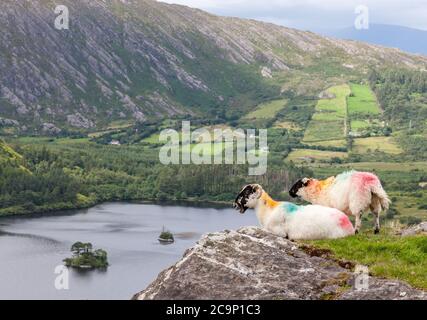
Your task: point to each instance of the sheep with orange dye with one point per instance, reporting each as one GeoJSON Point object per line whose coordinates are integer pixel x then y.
{"type": "Point", "coordinates": [352, 192]}
{"type": "Point", "coordinates": [291, 221]}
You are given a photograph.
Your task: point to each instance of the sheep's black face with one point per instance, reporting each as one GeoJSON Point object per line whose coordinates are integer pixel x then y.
{"type": "Point", "coordinates": [293, 192]}
{"type": "Point", "coordinates": [243, 197]}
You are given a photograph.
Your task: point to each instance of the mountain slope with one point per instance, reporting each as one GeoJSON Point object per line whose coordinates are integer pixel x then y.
{"type": "Point", "coordinates": [404, 38]}
{"type": "Point", "coordinates": [127, 61]}
{"type": "Point", "coordinates": [7, 153]}
{"type": "Point", "coordinates": [9, 157]}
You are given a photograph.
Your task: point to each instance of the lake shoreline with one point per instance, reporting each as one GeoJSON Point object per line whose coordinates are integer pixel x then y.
{"type": "Point", "coordinates": [70, 211]}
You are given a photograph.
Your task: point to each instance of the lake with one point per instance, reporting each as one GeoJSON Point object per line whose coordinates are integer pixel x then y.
{"type": "Point", "coordinates": [31, 248]}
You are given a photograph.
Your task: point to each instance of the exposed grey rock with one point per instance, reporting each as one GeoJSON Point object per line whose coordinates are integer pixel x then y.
{"type": "Point", "coordinates": [326, 95]}
{"type": "Point", "coordinates": [266, 72]}
{"type": "Point", "coordinates": [160, 104]}
{"type": "Point", "coordinates": [8, 122]}
{"type": "Point", "coordinates": [8, 95]}
{"type": "Point", "coordinates": [50, 128]}
{"type": "Point", "coordinates": [79, 121]}
{"type": "Point", "coordinates": [380, 289]}
{"type": "Point", "coordinates": [415, 230]}
{"type": "Point", "coordinates": [252, 264]}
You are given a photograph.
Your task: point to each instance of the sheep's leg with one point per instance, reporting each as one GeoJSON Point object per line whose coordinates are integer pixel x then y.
{"type": "Point", "coordinates": [376, 209]}
{"type": "Point", "coordinates": [377, 221]}
{"type": "Point", "coordinates": [358, 223]}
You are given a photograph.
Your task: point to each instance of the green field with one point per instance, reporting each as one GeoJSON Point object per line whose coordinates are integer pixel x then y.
{"type": "Point", "coordinates": [267, 110]}
{"type": "Point", "coordinates": [287, 125]}
{"type": "Point", "coordinates": [209, 149]}
{"type": "Point", "coordinates": [407, 205]}
{"type": "Point", "coordinates": [7, 153]}
{"type": "Point", "coordinates": [154, 138]}
{"type": "Point", "coordinates": [328, 122]}
{"type": "Point", "coordinates": [324, 130]}
{"type": "Point", "coordinates": [301, 155]}
{"type": "Point", "coordinates": [357, 125]}
{"type": "Point", "coordinates": [335, 108]}
{"type": "Point", "coordinates": [329, 143]}
{"type": "Point", "coordinates": [384, 144]}
{"type": "Point", "coordinates": [362, 101]}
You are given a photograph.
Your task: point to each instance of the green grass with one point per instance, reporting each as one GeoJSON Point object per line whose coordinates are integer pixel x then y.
{"type": "Point", "coordinates": [67, 141]}
{"type": "Point", "coordinates": [287, 125]}
{"type": "Point", "coordinates": [336, 107]}
{"type": "Point", "coordinates": [295, 155]}
{"type": "Point", "coordinates": [328, 122]}
{"type": "Point", "coordinates": [384, 144]}
{"type": "Point", "coordinates": [386, 255]}
{"type": "Point", "coordinates": [7, 153]}
{"type": "Point", "coordinates": [323, 131]}
{"type": "Point", "coordinates": [362, 100]}
{"type": "Point", "coordinates": [154, 138]}
{"type": "Point", "coordinates": [329, 143]}
{"type": "Point", "coordinates": [56, 141]}
{"type": "Point", "coordinates": [407, 205]}
{"type": "Point", "coordinates": [359, 124]}
{"type": "Point", "coordinates": [210, 149]}
{"type": "Point", "coordinates": [267, 110]}
{"type": "Point", "coordinates": [33, 140]}
{"type": "Point", "coordinates": [206, 149]}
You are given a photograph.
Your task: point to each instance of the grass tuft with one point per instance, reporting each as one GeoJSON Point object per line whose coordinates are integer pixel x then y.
{"type": "Point", "coordinates": [386, 255]}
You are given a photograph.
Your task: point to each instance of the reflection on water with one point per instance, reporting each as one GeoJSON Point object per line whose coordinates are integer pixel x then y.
{"type": "Point", "coordinates": [187, 235]}
{"type": "Point", "coordinates": [31, 248]}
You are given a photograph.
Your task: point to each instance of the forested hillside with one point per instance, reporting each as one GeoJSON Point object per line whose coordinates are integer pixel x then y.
{"type": "Point", "coordinates": [403, 96]}
{"type": "Point", "coordinates": [65, 174]}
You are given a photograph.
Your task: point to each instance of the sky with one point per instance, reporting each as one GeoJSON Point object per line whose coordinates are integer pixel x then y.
{"type": "Point", "coordinates": [318, 15]}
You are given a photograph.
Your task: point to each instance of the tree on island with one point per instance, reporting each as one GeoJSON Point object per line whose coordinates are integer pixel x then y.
{"type": "Point", "coordinates": [85, 257]}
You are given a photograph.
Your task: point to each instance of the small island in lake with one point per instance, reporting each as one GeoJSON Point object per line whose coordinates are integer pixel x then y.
{"type": "Point", "coordinates": [84, 257]}
{"type": "Point", "coordinates": [166, 237]}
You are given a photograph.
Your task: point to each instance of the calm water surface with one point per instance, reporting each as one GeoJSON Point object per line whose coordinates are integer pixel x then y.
{"type": "Point", "coordinates": [31, 248]}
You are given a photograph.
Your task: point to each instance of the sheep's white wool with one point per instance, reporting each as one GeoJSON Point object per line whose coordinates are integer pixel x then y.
{"type": "Point", "coordinates": [306, 222]}
{"type": "Point", "coordinates": [352, 192]}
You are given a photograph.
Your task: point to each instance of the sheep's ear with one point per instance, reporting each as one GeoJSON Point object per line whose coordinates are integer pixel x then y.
{"type": "Point", "coordinates": [257, 189]}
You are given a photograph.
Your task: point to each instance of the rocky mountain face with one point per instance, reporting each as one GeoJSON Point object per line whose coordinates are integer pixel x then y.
{"type": "Point", "coordinates": [252, 264]}
{"type": "Point", "coordinates": [133, 60]}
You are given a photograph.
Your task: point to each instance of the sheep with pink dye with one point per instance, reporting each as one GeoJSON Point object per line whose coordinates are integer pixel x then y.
{"type": "Point", "coordinates": [291, 221]}
{"type": "Point", "coordinates": [352, 192]}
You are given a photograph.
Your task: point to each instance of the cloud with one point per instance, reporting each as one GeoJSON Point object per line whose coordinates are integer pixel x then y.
{"type": "Point", "coordinates": [317, 15]}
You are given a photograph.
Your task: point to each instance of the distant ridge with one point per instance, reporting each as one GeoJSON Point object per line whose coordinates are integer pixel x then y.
{"type": "Point", "coordinates": [407, 39]}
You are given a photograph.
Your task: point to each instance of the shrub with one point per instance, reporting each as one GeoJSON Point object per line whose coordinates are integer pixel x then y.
{"type": "Point", "coordinates": [410, 220]}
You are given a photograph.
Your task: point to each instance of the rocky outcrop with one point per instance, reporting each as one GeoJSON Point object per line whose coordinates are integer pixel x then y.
{"type": "Point", "coordinates": [50, 129]}
{"type": "Point", "coordinates": [79, 121]}
{"type": "Point", "coordinates": [8, 122]}
{"type": "Point", "coordinates": [326, 95]}
{"type": "Point", "coordinates": [418, 229]}
{"type": "Point", "coordinates": [252, 264]}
